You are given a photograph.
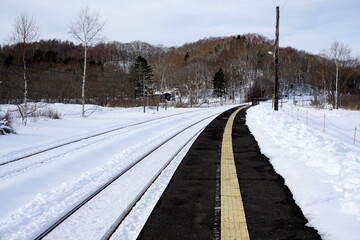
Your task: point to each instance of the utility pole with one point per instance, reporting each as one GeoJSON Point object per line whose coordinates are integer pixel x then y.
{"type": "Point", "coordinates": [276, 105]}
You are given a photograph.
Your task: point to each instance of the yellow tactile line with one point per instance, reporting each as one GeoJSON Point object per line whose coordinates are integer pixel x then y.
{"type": "Point", "coordinates": [233, 221]}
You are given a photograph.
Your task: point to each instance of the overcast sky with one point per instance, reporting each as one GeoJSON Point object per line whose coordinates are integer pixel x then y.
{"type": "Point", "coordinates": [309, 25]}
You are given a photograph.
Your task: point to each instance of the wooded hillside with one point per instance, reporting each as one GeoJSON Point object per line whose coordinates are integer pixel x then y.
{"type": "Point", "coordinates": [55, 70]}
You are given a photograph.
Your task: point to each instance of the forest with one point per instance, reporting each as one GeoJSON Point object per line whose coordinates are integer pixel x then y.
{"type": "Point", "coordinates": [54, 72]}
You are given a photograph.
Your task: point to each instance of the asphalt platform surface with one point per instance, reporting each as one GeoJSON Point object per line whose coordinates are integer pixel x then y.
{"type": "Point", "coordinates": [190, 206]}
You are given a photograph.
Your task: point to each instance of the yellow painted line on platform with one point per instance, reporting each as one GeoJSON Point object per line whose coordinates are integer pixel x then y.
{"type": "Point", "coordinates": [233, 221]}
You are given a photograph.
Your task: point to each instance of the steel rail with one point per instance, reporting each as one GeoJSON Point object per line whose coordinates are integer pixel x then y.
{"type": "Point", "coordinates": [126, 212]}
{"type": "Point", "coordinates": [88, 137]}
{"type": "Point", "coordinates": [113, 179]}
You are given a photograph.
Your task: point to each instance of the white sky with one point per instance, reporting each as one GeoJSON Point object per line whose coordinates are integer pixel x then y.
{"type": "Point", "coordinates": [309, 25]}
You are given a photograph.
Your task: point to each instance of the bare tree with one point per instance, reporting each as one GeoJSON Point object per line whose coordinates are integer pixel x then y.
{"type": "Point", "coordinates": [25, 31]}
{"type": "Point", "coordinates": [341, 55]}
{"type": "Point", "coordinates": [86, 28]}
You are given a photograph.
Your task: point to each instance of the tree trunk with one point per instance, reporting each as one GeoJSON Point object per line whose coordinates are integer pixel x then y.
{"type": "Point", "coordinates": [143, 83]}
{"type": "Point", "coordinates": [190, 96]}
{"type": "Point", "coordinates": [336, 85]}
{"type": "Point", "coordinates": [25, 84]}
{"type": "Point", "coordinates": [83, 85]}
{"type": "Point", "coordinates": [324, 89]}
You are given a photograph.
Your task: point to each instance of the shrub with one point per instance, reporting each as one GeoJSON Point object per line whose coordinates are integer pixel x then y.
{"type": "Point", "coordinates": [129, 103]}
{"type": "Point", "coordinates": [5, 124]}
{"type": "Point", "coordinates": [47, 112]}
{"type": "Point", "coordinates": [316, 104]}
{"type": "Point", "coordinates": [350, 102]}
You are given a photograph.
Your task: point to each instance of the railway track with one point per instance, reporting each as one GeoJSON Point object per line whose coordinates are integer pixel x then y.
{"type": "Point", "coordinates": [109, 184]}
{"type": "Point", "coordinates": [16, 159]}
{"type": "Point", "coordinates": [17, 166]}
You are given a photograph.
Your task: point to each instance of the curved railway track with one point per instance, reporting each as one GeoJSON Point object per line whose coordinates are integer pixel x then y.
{"type": "Point", "coordinates": [15, 170]}
{"type": "Point", "coordinates": [125, 211]}
{"type": "Point", "coordinates": [12, 160]}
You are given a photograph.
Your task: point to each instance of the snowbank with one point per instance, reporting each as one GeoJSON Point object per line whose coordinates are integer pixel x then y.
{"type": "Point", "coordinates": [321, 168]}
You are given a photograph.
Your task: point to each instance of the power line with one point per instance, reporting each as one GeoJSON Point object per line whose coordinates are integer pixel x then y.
{"type": "Point", "coordinates": [284, 5]}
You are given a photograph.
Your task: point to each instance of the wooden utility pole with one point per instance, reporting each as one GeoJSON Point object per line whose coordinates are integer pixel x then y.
{"type": "Point", "coordinates": [276, 105]}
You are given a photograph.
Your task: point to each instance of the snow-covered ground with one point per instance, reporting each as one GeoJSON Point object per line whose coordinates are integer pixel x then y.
{"type": "Point", "coordinates": [321, 168]}
{"type": "Point", "coordinates": [34, 193]}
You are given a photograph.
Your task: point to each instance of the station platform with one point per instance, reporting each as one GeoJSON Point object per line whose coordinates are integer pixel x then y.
{"type": "Point", "coordinates": [226, 189]}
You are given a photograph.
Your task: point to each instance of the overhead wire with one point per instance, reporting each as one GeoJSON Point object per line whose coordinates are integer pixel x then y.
{"type": "Point", "coordinates": [284, 5]}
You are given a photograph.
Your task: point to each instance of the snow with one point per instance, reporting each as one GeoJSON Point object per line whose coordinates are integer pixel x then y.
{"type": "Point", "coordinates": [36, 192]}
{"type": "Point", "coordinates": [322, 169]}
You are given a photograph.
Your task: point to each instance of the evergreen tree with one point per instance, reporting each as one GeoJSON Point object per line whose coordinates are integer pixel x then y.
{"type": "Point", "coordinates": [141, 73]}
{"type": "Point", "coordinates": [186, 56]}
{"type": "Point", "coordinates": [219, 83]}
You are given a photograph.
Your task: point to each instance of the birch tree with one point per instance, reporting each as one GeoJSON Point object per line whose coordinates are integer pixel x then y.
{"type": "Point", "coordinates": [86, 29]}
{"type": "Point", "coordinates": [340, 54]}
{"type": "Point", "coordinates": [25, 31]}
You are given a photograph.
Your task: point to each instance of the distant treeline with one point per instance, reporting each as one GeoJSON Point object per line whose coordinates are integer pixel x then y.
{"type": "Point", "coordinates": [55, 70]}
